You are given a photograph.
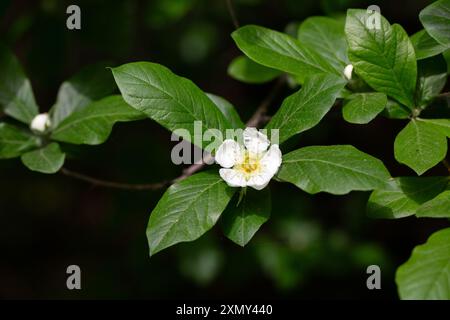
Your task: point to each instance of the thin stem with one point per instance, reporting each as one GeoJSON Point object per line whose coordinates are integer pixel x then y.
{"type": "Point", "coordinates": [113, 184]}
{"type": "Point", "coordinates": [447, 165]}
{"type": "Point", "coordinates": [444, 95]}
{"type": "Point", "coordinates": [232, 13]}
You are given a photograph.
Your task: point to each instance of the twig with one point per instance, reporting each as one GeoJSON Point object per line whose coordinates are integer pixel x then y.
{"type": "Point", "coordinates": [112, 184]}
{"type": "Point", "coordinates": [260, 114]}
{"type": "Point", "coordinates": [232, 13]}
{"type": "Point", "coordinates": [256, 120]}
{"type": "Point", "coordinates": [447, 165]}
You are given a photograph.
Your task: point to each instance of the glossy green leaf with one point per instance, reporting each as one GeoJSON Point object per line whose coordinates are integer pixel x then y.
{"type": "Point", "coordinates": [172, 101]}
{"type": "Point", "coordinates": [48, 159]}
{"type": "Point", "coordinates": [279, 51]}
{"type": "Point", "coordinates": [438, 207]}
{"type": "Point", "coordinates": [305, 108]}
{"type": "Point", "coordinates": [241, 222]}
{"type": "Point", "coordinates": [246, 70]}
{"type": "Point", "coordinates": [426, 274]}
{"type": "Point", "coordinates": [404, 196]}
{"type": "Point", "coordinates": [384, 58]}
{"type": "Point", "coordinates": [425, 46]}
{"type": "Point", "coordinates": [432, 75]}
{"type": "Point", "coordinates": [443, 125]}
{"type": "Point", "coordinates": [93, 124]}
{"type": "Point", "coordinates": [227, 110]}
{"type": "Point", "coordinates": [91, 83]}
{"type": "Point", "coordinates": [16, 94]}
{"type": "Point", "coordinates": [395, 110]}
{"type": "Point", "coordinates": [436, 20]}
{"type": "Point", "coordinates": [327, 37]}
{"type": "Point", "coordinates": [187, 210]}
{"type": "Point", "coordinates": [15, 141]}
{"type": "Point", "coordinates": [362, 108]}
{"type": "Point", "coordinates": [420, 146]}
{"type": "Point", "coordinates": [334, 169]}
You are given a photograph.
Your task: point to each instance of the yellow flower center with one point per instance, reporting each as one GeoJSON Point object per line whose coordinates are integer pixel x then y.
{"type": "Point", "coordinates": [250, 164]}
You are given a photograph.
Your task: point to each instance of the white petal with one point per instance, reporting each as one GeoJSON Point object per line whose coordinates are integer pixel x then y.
{"type": "Point", "coordinates": [255, 141]}
{"type": "Point", "coordinates": [348, 71]}
{"type": "Point", "coordinates": [40, 123]}
{"type": "Point", "coordinates": [233, 177]}
{"type": "Point", "coordinates": [229, 153]}
{"type": "Point", "coordinates": [271, 161]}
{"type": "Point", "coordinates": [260, 180]}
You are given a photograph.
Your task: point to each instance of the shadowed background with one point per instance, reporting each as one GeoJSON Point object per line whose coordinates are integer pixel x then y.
{"type": "Point", "coordinates": [312, 247]}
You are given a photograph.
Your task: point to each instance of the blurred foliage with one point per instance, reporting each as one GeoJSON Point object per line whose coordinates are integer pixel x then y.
{"type": "Point", "coordinates": [312, 246]}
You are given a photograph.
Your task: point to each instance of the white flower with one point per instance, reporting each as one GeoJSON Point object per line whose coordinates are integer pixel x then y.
{"type": "Point", "coordinates": [348, 71]}
{"type": "Point", "coordinates": [40, 123]}
{"type": "Point", "coordinates": [251, 165]}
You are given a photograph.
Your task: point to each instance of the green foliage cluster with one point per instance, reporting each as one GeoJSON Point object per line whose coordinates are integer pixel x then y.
{"type": "Point", "coordinates": [395, 76]}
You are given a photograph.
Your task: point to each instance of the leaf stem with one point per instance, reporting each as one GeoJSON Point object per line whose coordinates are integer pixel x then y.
{"type": "Point", "coordinates": [232, 13]}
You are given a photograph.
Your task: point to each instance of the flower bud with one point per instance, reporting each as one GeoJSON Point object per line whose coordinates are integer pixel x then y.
{"type": "Point", "coordinates": [40, 123]}
{"type": "Point", "coordinates": [348, 71]}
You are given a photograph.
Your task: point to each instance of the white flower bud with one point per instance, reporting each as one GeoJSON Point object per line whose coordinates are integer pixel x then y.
{"type": "Point", "coordinates": [40, 123]}
{"type": "Point", "coordinates": [348, 71]}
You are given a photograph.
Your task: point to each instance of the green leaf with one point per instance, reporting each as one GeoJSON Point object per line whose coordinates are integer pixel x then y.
{"type": "Point", "coordinates": [326, 36]}
{"type": "Point", "coordinates": [172, 101]}
{"type": "Point", "coordinates": [305, 108]}
{"type": "Point", "coordinates": [279, 51]}
{"type": "Point", "coordinates": [16, 94]}
{"type": "Point", "coordinates": [395, 110]}
{"type": "Point", "coordinates": [404, 196]}
{"type": "Point", "coordinates": [425, 46]}
{"type": "Point", "coordinates": [15, 141]}
{"type": "Point", "coordinates": [438, 207]}
{"type": "Point", "coordinates": [436, 20]}
{"type": "Point", "coordinates": [334, 169]}
{"type": "Point", "coordinates": [48, 159]}
{"type": "Point", "coordinates": [420, 146]}
{"type": "Point", "coordinates": [246, 70]}
{"type": "Point", "coordinates": [426, 274]}
{"type": "Point", "coordinates": [91, 83]}
{"type": "Point", "coordinates": [362, 108]}
{"type": "Point", "coordinates": [443, 125]}
{"type": "Point", "coordinates": [227, 110]}
{"type": "Point", "coordinates": [384, 58]}
{"type": "Point", "coordinates": [241, 222]}
{"type": "Point", "coordinates": [432, 75]}
{"type": "Point", "coordinates": [187, 210]}
{"type": "Point", "coordinates": [93, 124]}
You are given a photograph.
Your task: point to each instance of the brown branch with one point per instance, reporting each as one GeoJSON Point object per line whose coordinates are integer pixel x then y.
{"type": "Point", "coordinates": [232, 13]}
{"type": "Point", "coordinates": [256, 120]}
{"type": "Point", "coordinates": [446, 164]}
{"type": "Point", "coordinates": [112, 184]}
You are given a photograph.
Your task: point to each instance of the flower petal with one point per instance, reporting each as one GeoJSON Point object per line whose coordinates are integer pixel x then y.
{"type": "Point", "coordinates": [271, 161]}
{"type": "Point", "coordinates": [260, 180]}
{"type": "Point", "coordinates": [233, 177]}
{"type": "Point", "coordinates": [255, 141]}
{"type": "Point", "coordinates": [229, 153]}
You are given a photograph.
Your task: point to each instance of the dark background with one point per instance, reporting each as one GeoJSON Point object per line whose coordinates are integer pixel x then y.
{"type": "Point", "coordinates": [312, 247]}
